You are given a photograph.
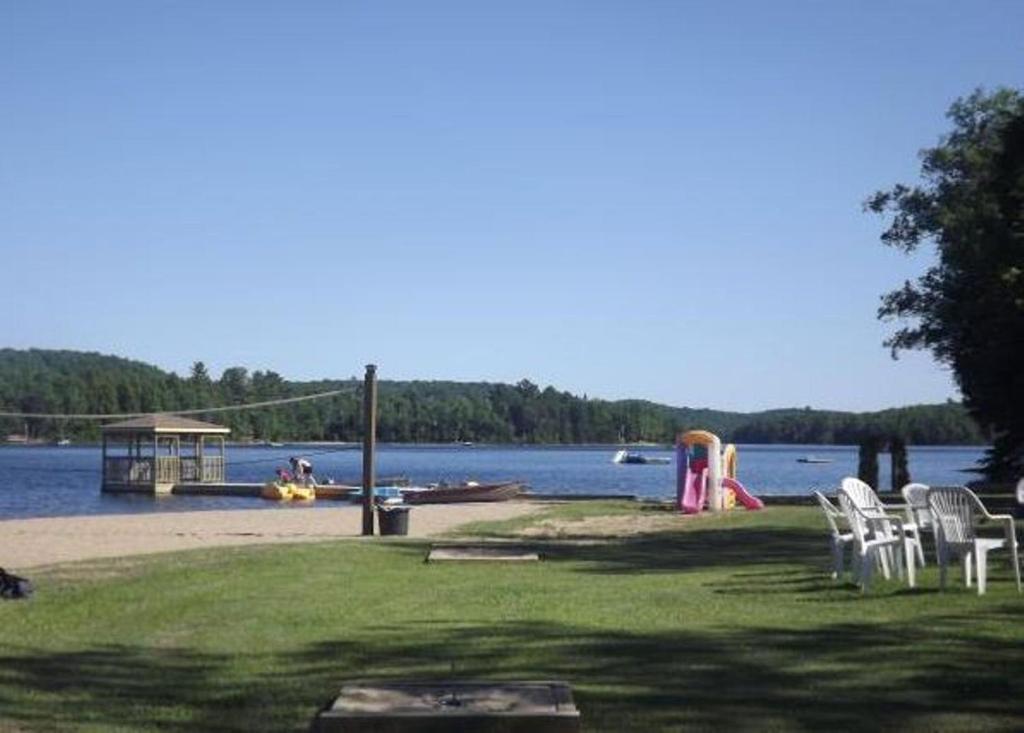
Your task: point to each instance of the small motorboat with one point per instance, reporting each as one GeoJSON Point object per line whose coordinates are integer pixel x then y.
{"type": "Point", "coordinates": [469, 491]}
{"type": "Point", "coordinates": [813, 459]}
{"type": "Point", "coordinates": [626, 457]}
{"type": "Point", "coordinates": [381, 494]}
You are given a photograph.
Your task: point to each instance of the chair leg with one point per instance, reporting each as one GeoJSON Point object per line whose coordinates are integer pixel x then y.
{"type": "Point", "coordinates": [884, 555]}
{"type": "Point", "coordinates": [837, 558]}
{"type": "Point", "coordinates": [855, 562]}
{"type": "Point", "coordinates": [981, 559]}
{"type": "Point", "coordinates": [965, 563]}
{"type": "Point", "coordinates": [1016, 560]}
{"type": "Point", "coordinates": [867, 566]}
{"type": "Point", "coordinates": [918, 547]}
{"type": "Point", "coordinates": [908, 549]}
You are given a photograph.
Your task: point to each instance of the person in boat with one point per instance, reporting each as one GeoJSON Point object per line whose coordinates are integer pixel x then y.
{"type": "Point", "coordinates": [283, 477]}
{"type": "Point", "coordinates": [303, 471]}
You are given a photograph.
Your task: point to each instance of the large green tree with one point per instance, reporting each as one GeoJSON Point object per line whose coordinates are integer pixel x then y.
{"type": "Point", "coordinates": [968, 308]}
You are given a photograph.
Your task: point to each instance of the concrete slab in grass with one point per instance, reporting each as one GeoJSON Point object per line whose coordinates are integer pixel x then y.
{"type": "Point", "coordinates": [418, 707]}
{"type": "Point", "coordinates": [482, 553]}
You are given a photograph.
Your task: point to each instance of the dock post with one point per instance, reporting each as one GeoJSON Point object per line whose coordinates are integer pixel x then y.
{"type": "Point", "coordinates": [369, 445]}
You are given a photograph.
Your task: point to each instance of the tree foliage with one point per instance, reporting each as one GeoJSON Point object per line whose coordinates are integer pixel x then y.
{"type": "Point", "coordinates": [968, 307]}
{"type": "Point", "coordinates": [409, 412]}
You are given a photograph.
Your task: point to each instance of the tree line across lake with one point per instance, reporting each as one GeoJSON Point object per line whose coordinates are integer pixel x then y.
{"type": "Point", "coordinates": [66, 382]}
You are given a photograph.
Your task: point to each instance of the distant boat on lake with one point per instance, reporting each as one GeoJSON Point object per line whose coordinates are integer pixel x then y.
{"type": "Point", "coordinates": [624, 456]}
{"type": "Point", "coordinates": [813, 459]}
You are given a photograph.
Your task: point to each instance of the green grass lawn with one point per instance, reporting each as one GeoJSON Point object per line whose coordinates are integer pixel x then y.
{"type": "Point", "coordinates": [726, 622]}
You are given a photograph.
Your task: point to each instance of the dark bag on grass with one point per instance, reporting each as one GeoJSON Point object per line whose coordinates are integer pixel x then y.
{"type": "Point", "coordinates": [11, 586]}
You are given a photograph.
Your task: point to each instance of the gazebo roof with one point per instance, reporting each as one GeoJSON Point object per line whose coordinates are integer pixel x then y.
{"type": "Point", "coordinates": [165, 424]}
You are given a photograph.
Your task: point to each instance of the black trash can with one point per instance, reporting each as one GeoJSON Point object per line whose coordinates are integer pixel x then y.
{"type": "Point", "coordinates": [393, 519]}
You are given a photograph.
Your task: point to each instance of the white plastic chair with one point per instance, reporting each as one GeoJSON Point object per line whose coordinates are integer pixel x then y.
{"type": "Point", "coordinates": [915, 497]}
{"type": "Point", "coordinates": [875, 536]}
{"type": "Point", "coordinates": [955, 510]}
{"type": "Point", "coordinates": [838, 539]}
{"type": "Point", "coordinates": [866, 498]}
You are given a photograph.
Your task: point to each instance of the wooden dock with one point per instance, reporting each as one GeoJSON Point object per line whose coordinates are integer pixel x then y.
{"type": "Point", "coordinates": [329, 491]}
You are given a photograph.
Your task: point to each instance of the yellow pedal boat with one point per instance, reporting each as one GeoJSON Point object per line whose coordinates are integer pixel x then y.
{"type": "Point", "coordinates": [276, 491]}
{"type": "Point", "coordinates": [286, 492]}
{"type": "Point", "coordinates": [302, 493]}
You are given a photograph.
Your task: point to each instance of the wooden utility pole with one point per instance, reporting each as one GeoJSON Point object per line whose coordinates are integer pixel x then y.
{"type": "Point", "coordinates": [369, 445]}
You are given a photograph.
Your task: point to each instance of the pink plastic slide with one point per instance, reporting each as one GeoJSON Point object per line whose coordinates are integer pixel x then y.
{"type": "Point", "coordinates": [696, 487]}
{"type": "Point", "coordinates": [743, 496]}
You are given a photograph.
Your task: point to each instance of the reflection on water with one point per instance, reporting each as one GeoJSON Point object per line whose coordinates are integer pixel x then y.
{"type": "Point", "coordinates": [51, 481]}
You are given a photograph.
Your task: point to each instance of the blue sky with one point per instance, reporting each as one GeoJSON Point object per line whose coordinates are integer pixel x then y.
{"type": "Point", "coordinates": [629, 199]}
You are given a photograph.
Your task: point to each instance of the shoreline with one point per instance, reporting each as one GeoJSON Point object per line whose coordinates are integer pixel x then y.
{"type": "Point", "coordinates": [42, 541]}
{"type": "Point", "coordinates": [349, 445]}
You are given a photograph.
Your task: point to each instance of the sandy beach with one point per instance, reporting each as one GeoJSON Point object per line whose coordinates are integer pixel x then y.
{"type": "Point", "coordinates": [29, 543]}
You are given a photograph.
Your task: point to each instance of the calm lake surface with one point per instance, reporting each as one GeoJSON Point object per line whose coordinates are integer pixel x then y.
{"type": "Point", "coordinates": [63, 481]}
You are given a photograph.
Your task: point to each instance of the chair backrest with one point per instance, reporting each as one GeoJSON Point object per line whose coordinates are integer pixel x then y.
{"type": "Point", "coordinates": [1020, 491]}
{"type": "Point", "coordinates": [916, 498]}
{"type": "Point", "coordinates": [858, 523]}
{"type": "Point", "coordinates": [953, 509]}
{"type": "Point", "coordinates": [831, 511]}
{"type": "Point", "coordinates": [862, 495]}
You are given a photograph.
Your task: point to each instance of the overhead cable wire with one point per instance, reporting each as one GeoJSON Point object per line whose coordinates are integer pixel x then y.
{"type": "Point", "coordinates": [194, 411]}
{"type": "Point", "coordinates": [277, 458]}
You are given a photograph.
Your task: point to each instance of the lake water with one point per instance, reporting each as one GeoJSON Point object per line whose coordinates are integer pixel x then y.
{"type": "Point", "coordinates": [52, 481]}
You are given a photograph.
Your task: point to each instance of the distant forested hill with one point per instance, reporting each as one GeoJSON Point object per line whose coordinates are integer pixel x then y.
{"type": "Point", "coordinates": [45, 381]}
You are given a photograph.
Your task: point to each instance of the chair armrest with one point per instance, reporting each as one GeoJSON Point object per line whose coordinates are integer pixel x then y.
{"type": "Point", "coordinates": [998, 517]}
{"type": "Point", "coordinates": [876, 516]}
{"type": "Point", "coordinates": [1007, 521]}
{"type": "Point", "coordinates": [1004, 519]}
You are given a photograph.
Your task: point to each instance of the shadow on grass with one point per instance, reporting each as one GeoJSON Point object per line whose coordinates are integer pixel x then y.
{"type": "Point", "coordinates": [847, 676]}
{"type": "Point", "coordinates": [946, 672]}
{"type": "Point", "coordinates": [694, 550]}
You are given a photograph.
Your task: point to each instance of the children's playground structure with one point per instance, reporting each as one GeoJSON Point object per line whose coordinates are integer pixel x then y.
{"type": "Point", "coordinates": [706, 475]}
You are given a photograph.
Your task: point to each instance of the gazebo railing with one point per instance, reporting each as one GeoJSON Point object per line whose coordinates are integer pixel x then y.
{"type": "Point", "coordinates": [123, 470]}
{"type": "Point", "coordinates": [168, 470]}
{"type": "Point", "coordinates": [211, 471]}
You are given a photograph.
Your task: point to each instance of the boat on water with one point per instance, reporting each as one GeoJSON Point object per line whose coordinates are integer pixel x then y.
{"type": "Point", "coordinates": [64, 441]}
{"type": "Point", "coordinates": [813, 459]}
{"type": "Point", "coordinates": [469, 491]}
{"type": "Point", "coordinates": [276, 491]}
{"type": "Point", "coordinates": [627, 457]}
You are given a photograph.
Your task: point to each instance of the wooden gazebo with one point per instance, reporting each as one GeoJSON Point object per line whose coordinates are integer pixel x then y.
{"type": "Point", "coordinates": [151, 454]}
